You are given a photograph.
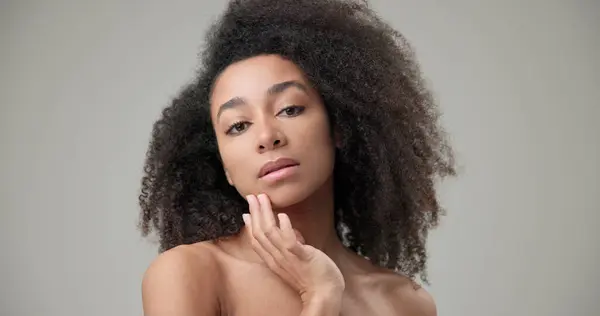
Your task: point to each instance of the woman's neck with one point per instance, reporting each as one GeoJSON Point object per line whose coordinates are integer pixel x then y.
{"type": "Point", "coordinates": [314, 219]}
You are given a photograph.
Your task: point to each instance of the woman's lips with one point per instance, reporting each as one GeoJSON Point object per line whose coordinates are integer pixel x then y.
{"type": "Point", "coordinates": [277, 166]}
{"type": "Point", "coordinates": [280, 174]}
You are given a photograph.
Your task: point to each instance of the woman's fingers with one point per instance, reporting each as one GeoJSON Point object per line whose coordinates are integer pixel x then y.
{"type": "Point", "coordinates": [254, 208]}
{"type": "Point", "coordinates": [266, 257]}
{"type": "Point", "coordinates": [303, 267]}
{"type": "Point", "coordinates": [301, 251]}
{"type": "Point", "coordinates": [255, 216]}
{"type": "Point", "coordinates": [264, 229]}
{"type": "Point", "coordinates": [266, 214]}
{"type": "Point", "coordinates": [275, 243]}
{"type": "Point", "coordinates": [293, 241]}
{"type": "Point", "coordinates": [287, 231]}
{"type": "Point", "coordinates": [281, 237]}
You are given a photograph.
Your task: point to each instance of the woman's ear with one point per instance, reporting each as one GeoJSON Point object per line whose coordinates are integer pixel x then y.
{"type": "Point", "coordinates": [337, 138]}
{"type": "Point", "coordinates": [228, 177]}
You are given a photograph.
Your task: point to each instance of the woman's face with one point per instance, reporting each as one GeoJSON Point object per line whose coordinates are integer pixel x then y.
{"type": "Point", "coordinates": [272, 130]}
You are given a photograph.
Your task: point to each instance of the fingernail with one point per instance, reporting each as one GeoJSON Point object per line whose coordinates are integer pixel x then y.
{"type": "Point", "coordinates": [245, 218]}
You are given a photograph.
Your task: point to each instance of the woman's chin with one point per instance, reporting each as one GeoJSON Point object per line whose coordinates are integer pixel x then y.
{"type": "Point", "coordinates": [294, 193]}
{"type": "Point", "coordinates": [284, 198]}
{"type": "Point", "coordinates": [279, 201]}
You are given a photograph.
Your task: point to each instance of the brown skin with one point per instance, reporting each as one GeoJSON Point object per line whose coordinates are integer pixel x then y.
{"type": "Point", "coordinates": [227, 276]}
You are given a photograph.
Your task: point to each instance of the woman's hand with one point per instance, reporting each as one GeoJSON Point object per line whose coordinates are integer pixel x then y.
{"type": "Point", "coordinates": [306, 269]}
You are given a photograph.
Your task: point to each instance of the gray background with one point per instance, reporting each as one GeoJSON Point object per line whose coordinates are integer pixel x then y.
{"type": "Point", "coordinates": [81, 82]}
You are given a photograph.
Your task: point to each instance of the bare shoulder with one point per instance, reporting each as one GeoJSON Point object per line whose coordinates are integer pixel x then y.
{"type": "Point", "coordinates": [413, 299]}
{"type": "Point", "coordinates": [176, 282]}
{"type": "Point", "coordinates": [400, 293]}
{"type": "Point", "coordinates": [421, 302]}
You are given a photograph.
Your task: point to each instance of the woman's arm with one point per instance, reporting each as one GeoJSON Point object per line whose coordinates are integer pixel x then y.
{"type": "Point", "coordinates": [181, 282]}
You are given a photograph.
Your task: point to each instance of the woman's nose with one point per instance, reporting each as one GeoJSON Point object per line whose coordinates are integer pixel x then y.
{"type": "Point", "coordinates": [270, 138]}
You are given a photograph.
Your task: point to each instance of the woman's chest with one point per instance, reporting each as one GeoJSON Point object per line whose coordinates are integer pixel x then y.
{"type": "Point", "coordinates": [256, 291]}
{"type": "Point", "coordinates": [250, 292]}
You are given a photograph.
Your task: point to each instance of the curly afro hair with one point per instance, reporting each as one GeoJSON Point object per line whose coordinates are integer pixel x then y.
{"type": "Point", "coordinates": [392, 150]}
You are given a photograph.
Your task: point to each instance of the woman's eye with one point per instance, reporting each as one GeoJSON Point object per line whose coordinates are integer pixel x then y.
{"type": "Point", "coordinates": [293, 110]}
{"type": "Point", "coordinates": [237, 128]}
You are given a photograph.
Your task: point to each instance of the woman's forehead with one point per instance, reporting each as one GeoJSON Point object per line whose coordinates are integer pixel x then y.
{"type": "Point", "coordinates": [253, 77]}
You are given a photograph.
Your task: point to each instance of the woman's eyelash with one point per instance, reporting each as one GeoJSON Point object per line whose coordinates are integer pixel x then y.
{"type": "Point", "coordinates": [297, 110]}
{"type": "Point", "coordinates": [234, 125]}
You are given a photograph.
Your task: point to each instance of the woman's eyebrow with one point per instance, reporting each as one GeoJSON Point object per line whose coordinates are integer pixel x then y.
{"type": "Point", "coordinates": [282, 86]}
{"type": "Point", "coordinates": [273, 90]}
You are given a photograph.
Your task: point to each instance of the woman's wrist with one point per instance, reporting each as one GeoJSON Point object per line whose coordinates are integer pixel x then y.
{"type": "Point", "coordinates": [325, 303]}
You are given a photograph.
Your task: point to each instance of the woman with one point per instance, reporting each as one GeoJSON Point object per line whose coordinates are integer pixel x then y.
{"type": "Point", "coordinates": [295, 175]}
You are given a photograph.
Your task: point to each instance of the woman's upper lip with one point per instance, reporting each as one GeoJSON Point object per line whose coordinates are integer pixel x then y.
{"type": "Point", "coordinates": [275, 165]}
